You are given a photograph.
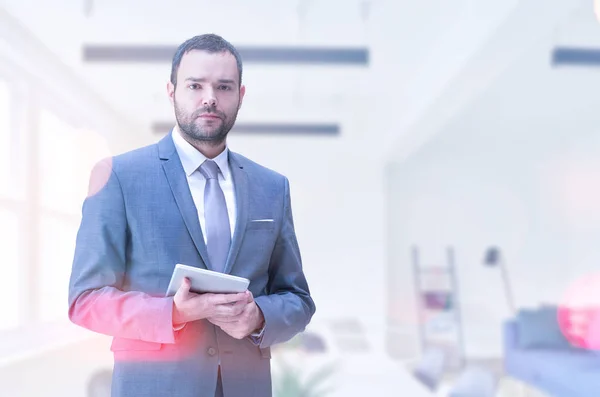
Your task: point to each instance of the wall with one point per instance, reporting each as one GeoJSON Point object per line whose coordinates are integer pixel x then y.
{"type": "Point", "coordinates": [518, 169]}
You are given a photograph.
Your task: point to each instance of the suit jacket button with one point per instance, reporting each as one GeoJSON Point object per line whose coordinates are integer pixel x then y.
{"type": "Point", "coordinates": [211, 351]}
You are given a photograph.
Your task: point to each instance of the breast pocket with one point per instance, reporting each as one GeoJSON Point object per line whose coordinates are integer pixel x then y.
{"type": "Point", "coordinates": [261, 225]}
{"type": "Point", "coordinates": [259, 240]}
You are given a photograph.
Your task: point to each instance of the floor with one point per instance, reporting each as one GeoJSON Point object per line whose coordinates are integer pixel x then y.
{"type": "Point", "coordinates": [506, 387]}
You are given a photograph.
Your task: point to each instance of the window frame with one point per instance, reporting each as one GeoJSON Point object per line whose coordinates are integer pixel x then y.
{"type": "Point", "coordinates": [28, 98]}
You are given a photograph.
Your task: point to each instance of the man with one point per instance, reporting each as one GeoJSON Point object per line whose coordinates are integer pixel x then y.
{"type": "Point", "coordinates": [188, 199]}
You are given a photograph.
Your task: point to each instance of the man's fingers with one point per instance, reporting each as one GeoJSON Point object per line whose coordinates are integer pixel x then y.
{"type": "Point", "coordinates": [232, 329]}
{"type": "Point", "coordinates": [186, 284]}
{"type": "Point", "coordinates": [222, 320]}
{"type": "Point", "coordinates": [222, 299]}
{"type": "Point", "coordinates": [184, 289]}
{"type": "Point", "coordinates": [230, 310]}
{"type": "Point", "coordinates": [229, 314]}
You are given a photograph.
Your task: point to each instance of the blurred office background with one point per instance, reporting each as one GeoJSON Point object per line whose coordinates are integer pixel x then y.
{"type": "Point", "coordinates": [403, 126]}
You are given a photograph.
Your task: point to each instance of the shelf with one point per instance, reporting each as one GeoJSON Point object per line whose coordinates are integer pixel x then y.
{"type": "Point", "coordinates": [438, 307]}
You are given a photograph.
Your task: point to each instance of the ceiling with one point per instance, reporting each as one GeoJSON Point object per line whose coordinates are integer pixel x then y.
{"type": "Point", "coordinates": [416, 49]}
{"type": "Point", "coordinates": [139, 89]}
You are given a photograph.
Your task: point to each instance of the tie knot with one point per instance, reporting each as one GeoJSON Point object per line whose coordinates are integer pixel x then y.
{"type": "Point", "coordinates": [209, 169]}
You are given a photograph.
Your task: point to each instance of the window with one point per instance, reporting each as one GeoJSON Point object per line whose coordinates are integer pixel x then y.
{"type": "Point", "coordinates": [5, 140]}
{"type": "Point", "coordinates": [47, 150]}
{"type": "Point", "coordinates": [58, 166]}
{"type": "Point", "coordinates": [10, 233]}
{"type": "Point", "coordinates": [66, 157]}
{"type": "Point", "coordinates": [57, 244]}
{"type": "Point", "coordinates": [10, 220]}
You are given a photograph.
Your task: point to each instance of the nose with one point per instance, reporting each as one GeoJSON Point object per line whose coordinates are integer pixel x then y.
{"type": "Point", "coordinates": [209, 99]}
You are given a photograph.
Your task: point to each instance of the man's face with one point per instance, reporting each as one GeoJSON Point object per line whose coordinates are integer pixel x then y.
{"type": "Point", "coordinates": [207, 96]}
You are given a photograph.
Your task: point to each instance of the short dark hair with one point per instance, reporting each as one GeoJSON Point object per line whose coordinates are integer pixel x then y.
{"type": "Point", "coordinates": [210, 43]}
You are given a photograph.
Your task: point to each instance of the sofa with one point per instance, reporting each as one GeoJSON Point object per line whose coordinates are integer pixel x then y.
{"type": "Point", "coordinates": [560, 370]}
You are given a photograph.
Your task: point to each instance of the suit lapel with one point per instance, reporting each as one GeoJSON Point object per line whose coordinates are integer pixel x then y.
{"type": "Point", "coordinates": [240, 181]}
{"type": "Point", "coordinates": [181, 191]}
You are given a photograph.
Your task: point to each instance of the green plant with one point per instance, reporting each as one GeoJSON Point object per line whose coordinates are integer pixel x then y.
{"type": "Point", "coordinates": [289, 382]}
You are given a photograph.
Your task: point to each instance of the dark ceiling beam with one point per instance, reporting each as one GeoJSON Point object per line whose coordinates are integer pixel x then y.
{"type": "Point", "coordinates": [312, 129]}
{"type": "Point", "coordinates": [97, 53]}
{"type": "Point", "coordinates": [576, 56]}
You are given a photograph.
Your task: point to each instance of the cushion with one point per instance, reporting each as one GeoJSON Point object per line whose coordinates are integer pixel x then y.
{"type": "Point", "coordinates": [559, 372]}
{"type": "Point", "coordinates": [539, 329]}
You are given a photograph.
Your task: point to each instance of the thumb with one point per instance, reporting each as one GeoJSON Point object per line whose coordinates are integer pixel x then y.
{"type": "Point", "coordinates": [250, 296]}
{"type": "Point", "coordinates": [184, 289]}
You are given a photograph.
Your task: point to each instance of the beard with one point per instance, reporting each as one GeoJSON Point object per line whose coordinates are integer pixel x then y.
{"type": "Point", "coordinates": [214, 136]}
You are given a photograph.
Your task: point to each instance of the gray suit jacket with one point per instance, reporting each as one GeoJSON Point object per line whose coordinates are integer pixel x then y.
{"type": "Point", "coordinates": [138, 222]}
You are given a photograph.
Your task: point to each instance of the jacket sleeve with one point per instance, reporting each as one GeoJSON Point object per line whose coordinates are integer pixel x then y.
{"type": "Point", "coordinates": [96, 299]}
{"type": "Point", "coordinates": [288, 306]}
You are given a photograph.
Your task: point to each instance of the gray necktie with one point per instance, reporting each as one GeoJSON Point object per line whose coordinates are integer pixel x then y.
{"type": "Point", "coordinates": [218, 232]}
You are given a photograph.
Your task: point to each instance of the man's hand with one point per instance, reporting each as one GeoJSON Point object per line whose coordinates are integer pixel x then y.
{"type": "Point", "coordinates": [242, 324]}
{"type": "Point", "coordinates": [189, 306]}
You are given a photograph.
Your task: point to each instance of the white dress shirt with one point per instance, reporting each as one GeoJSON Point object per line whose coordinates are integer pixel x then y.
{"type": "Point", "coordinates": [192, 159]}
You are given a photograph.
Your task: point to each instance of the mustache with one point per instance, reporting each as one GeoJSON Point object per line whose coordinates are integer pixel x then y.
{"type": "Point", "coordinates": [208, 110]}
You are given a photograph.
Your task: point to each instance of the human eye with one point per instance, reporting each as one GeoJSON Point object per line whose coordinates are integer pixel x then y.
{"type": "Point", "coordinates": [224, 87]}
{"type": "Point", "coordinates": [194, 86]}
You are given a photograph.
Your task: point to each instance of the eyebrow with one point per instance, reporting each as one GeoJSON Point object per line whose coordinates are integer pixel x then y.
{"type": "Point", "coordinates": [203, 80]}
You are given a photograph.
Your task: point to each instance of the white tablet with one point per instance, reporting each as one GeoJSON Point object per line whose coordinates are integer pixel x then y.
{"type": "Point", "coordinates": [206, 281]}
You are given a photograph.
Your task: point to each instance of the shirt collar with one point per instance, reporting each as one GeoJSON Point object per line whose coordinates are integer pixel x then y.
{"type": "Point", "coordinates": [192, 159]}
